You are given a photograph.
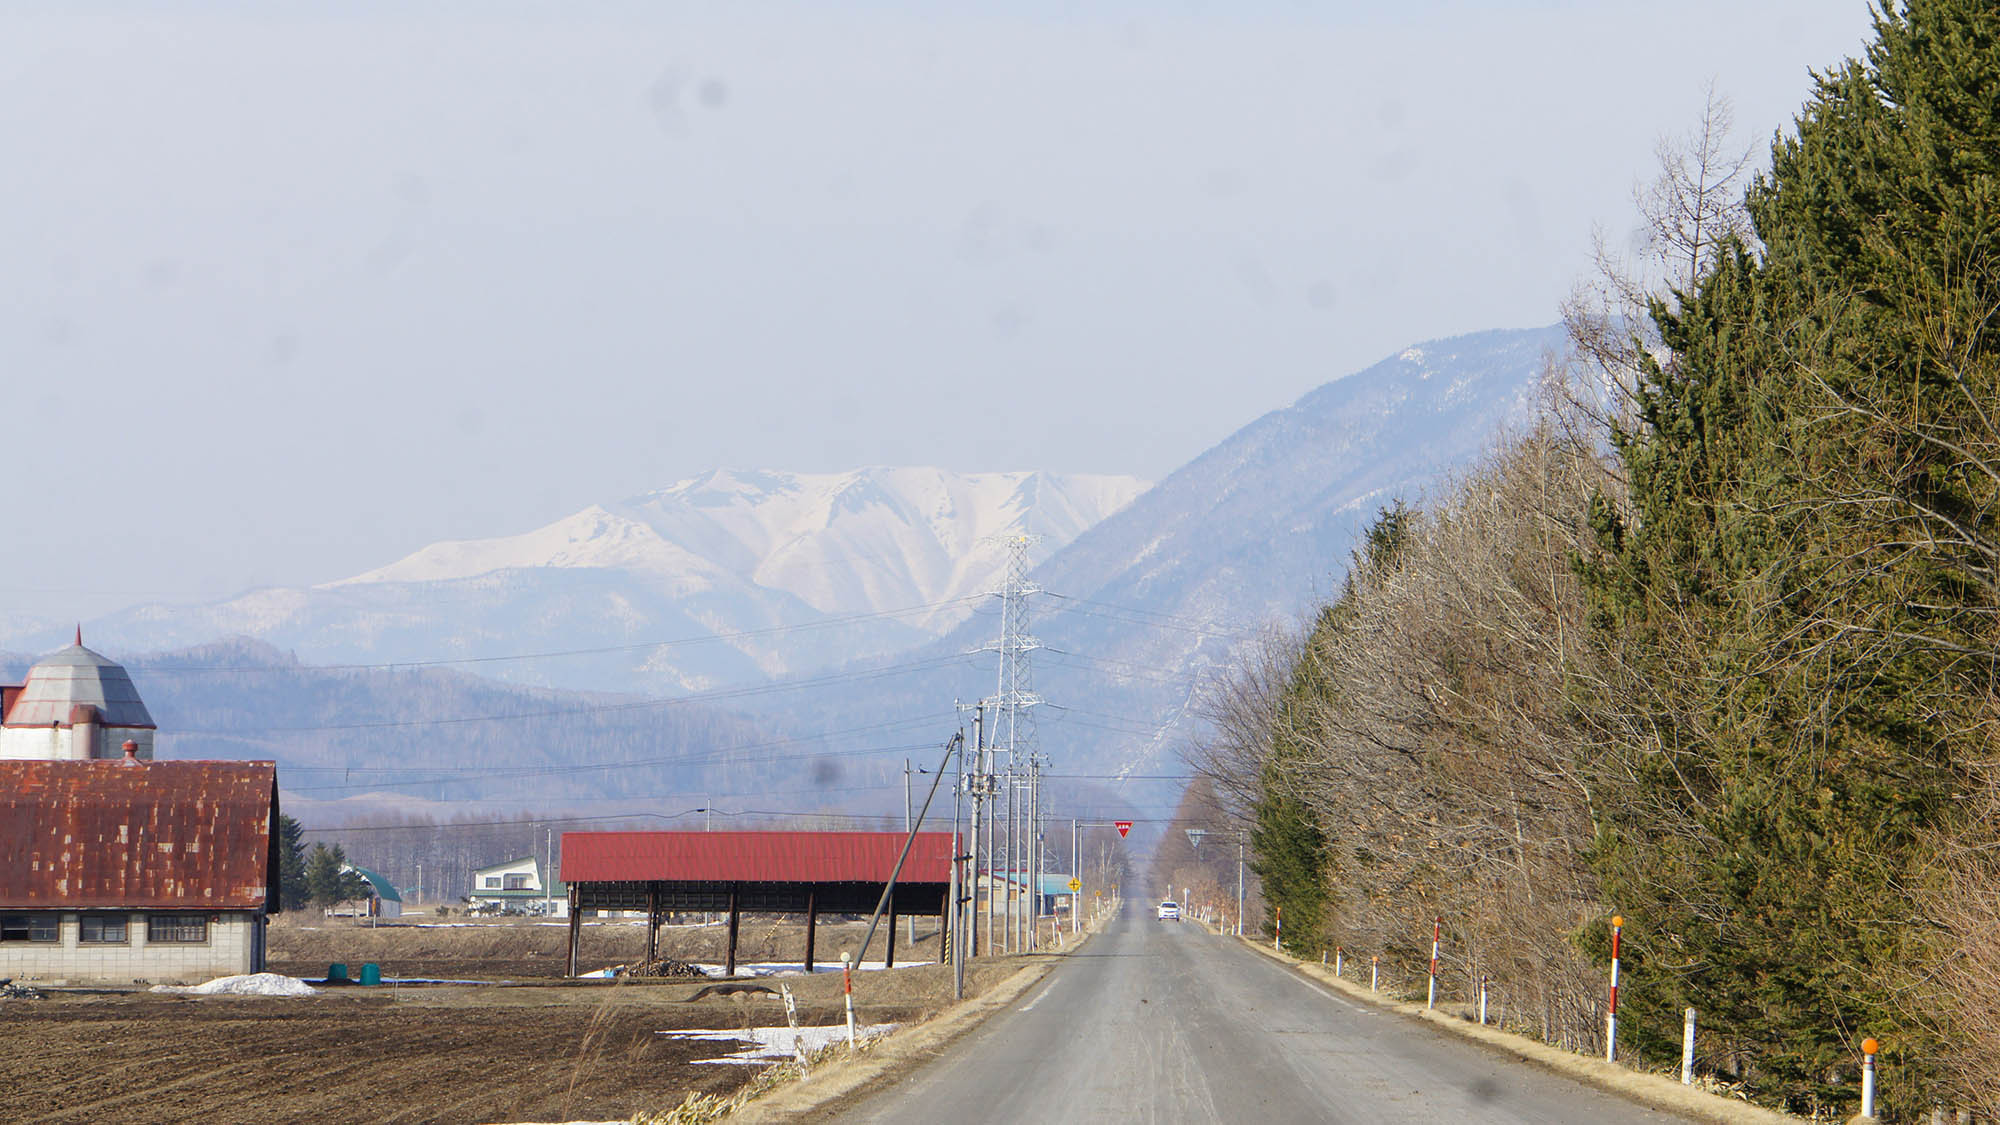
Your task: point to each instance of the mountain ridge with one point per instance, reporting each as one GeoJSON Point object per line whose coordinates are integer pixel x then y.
{"type": "Point", "coordinates": [790, 571]}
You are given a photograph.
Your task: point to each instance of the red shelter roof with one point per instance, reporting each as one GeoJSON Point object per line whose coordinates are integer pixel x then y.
{"type": "Point", "coordinates": [132, 834]}
{"type": "Point", "coordinates": [762, 857]}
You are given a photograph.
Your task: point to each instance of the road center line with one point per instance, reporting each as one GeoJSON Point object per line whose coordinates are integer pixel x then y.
{"type": "Point", "coordinates": [1030, 1005]}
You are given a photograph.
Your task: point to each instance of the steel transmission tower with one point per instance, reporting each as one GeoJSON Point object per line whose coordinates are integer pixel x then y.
{"type": "Point", "coordinates": [1015, 698]}
{"type": "Point", "coordinates": [1012, 706]}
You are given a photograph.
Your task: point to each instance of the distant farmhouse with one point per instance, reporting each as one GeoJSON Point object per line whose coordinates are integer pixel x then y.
{"type": "Point", "coordinates": [115, 868]}
{"type": "Point", "coordinates": [517, 885]}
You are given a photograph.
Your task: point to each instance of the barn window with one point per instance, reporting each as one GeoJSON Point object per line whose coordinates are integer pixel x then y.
{"type": "Point", "coordinates": [28, 927]}
{"type": "Point", "coordinates": [493, 881]}
{"type": "Point", "coordinates": [176, 928]}
{"type": "Point", "coordinates": [517, 882]}
{"type": "Point", "coordinates": [102, 928]}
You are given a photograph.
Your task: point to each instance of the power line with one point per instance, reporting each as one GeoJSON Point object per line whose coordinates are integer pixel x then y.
{"type": "Point", "coordinates": [1134, 615]}
{"type": "Point", "coordinates": [638, 646]}
{"type": "Point", "coordinates": [629, 705]}
{"type": "Point", "coordinates": [709, 754]}
{"type": "Point", "coordinates": [530, 773]}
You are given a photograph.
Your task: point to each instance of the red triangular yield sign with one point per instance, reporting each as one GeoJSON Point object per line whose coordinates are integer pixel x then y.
{"type": "Point", "coordinates": [1124, 828]}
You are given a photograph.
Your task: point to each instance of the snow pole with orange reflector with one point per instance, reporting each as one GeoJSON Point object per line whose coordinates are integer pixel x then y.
{"type": "Point", "coordinates": [1868, 1049]}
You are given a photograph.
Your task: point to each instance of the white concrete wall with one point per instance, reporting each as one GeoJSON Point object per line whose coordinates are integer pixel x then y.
{"type": "Point", "coordinates": [234, 946]}
{"type": "Point", "coordinates": [57, 743]}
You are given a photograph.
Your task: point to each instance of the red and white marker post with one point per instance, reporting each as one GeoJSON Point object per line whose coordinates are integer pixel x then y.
{"type": "Point", "coordinates": [1278, 930]}
{"type": "Point", "coordinates": [847, 986]}
{"type": "Point", "coordinates": [1611, 1013]}
{"type": "Point", "coordinates": [1437, 935]}
{"type": "Point", "coordinates": [1868, 1049]}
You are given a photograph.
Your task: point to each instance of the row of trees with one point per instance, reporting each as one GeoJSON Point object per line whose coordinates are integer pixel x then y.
{"type": "Point", "coordinates": [1713, 645]}
{"type": "Point", "coordinates": [319, 877]}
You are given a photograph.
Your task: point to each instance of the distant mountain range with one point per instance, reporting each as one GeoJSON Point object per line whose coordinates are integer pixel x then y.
{"type": "Point", "coordinates": [846, 606]}
{"type": "Point", "coordinates": [749, 575]}
{"type": "Point", "coordinates": [1142, 609]}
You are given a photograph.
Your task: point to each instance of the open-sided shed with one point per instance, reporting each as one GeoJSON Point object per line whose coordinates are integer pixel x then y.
{"type": "Point", "coordinates": [766, 872]}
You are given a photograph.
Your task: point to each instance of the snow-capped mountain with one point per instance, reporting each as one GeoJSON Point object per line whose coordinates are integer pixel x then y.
{"type": "Point", "coordinates": [867, 541]}
{"type": "Point", "coordinates": [725, 578]}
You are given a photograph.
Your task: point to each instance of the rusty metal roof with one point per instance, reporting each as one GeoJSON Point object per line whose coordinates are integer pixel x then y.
{"type": "Point", "coordinates": [72, 676]}
{"type": "Point", "coordinates": [766, 857]}
{"type": "Point", "coordinates": [189, 835]}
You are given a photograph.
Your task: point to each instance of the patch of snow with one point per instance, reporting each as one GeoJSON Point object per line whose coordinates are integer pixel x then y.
{"type": "Point", "coordinates": [253, 984]}
{"type": "Point", "coordinates": [776, 1044]}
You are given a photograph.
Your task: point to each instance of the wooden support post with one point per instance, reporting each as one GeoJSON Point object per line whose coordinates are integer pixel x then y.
{"type": "Point", "coordinates": [652, 922]}
{"type": "Point", "coordinates": [575, 928]}
{"type": "Point", "coordinates": [812, 924]}
{"type": "Point", "coordinates": [735, 917]}
{"type": "Point", "coordinates": [889, 959]}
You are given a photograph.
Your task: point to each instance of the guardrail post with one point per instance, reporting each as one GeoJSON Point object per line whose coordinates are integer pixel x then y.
{"type": "Point", "coordinates": [1336, 960]}
{"type": "Point", "coordinates": [1687, 1050]}
{"type": "Point", "coordinates": [1374, 973]}
{"type": "Point", "coordinates": [1437, 933]}
{"type": "Point", "coordinates": [1482, 999]}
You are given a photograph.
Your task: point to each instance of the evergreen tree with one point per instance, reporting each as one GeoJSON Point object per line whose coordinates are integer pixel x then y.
{"type": "Point", "coordinates": [329, 880]}
{"type": "Point", "coordinates": [292, 890]}
{"type": "Point", "coordinates": [1801, 576]}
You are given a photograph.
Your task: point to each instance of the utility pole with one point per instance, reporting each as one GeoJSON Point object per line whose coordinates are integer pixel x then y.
{"type": "Point", "coordinates": [1239, 882]}
{"type": "Point", "coordinates": [1013, 945]}
{"type": "Point", "coordinates": [1034, 853]}
{"type": "Point", "coordinates": [987, 781]}
{"type": "Point", "coordinates": [978, 943]}
{"type": "Point", "coordinates": [1075, 872]}
{"type": "Point", "coordinates": [548, 870]}
{"type": "Point", "coordinates": [959, 927]}
{"type": "Point", "coordinates": [906, 828]}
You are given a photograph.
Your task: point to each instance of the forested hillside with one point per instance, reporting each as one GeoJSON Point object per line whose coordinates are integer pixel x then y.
{"type": "Point", "coordinates": [376, 737]}
{"type": "Point", "coordinates": [1712, 647]}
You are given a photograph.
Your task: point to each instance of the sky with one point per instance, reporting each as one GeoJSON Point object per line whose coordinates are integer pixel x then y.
{"type": "Point", "coordinates": [290, 290]}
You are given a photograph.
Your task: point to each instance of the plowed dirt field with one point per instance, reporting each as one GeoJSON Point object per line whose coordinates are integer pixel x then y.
{"type": "Point", "coordinates": [534, 1051]}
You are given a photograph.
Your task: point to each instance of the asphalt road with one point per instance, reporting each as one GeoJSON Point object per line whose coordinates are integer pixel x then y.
{"type": "Point", "coordinates": [1165, 1022]}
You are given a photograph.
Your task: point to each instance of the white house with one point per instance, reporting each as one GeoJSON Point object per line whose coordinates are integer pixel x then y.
{"type": "Point", "coordinates": [518, 885]}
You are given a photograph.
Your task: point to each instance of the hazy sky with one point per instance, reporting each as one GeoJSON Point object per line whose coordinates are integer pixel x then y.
{"type": "Point", "coordinates": [289, 290]}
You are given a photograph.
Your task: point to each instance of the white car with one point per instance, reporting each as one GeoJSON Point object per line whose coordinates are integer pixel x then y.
{"type": "Point", "coordinates": [1170, 911]}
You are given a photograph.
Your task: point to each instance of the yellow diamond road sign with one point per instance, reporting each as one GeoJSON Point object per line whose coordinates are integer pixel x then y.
{"type": "Point", "coordinates": [1076, 884]}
